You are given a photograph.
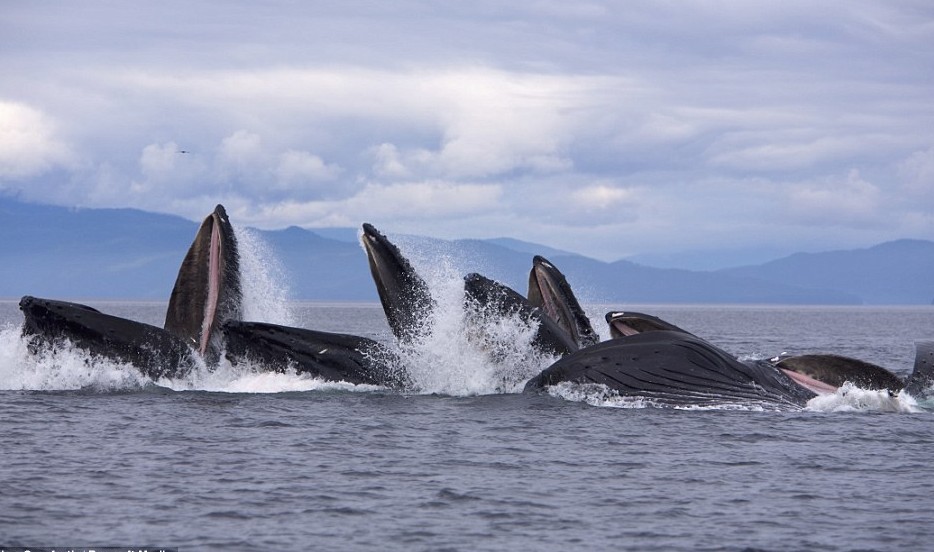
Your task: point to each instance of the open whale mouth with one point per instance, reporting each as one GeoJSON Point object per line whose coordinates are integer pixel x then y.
{"type": "Point", "coordinates": [812, 384]}
{"type": "Point", "coordinates": [214, 283]}
{"type": "Point", "coordinates": [549, 290]}
{"type": "Point", "coordinates": [207, 290]}
{"type": "Point", "coordinates": [545, 293]}
{"type": "Point", "coordinates": [624, 324]}
{"type": "Point", "coordinates": [832, 371]}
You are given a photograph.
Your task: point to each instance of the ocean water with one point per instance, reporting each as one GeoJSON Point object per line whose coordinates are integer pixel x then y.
{"type": "Point", "coordinates": [238, 460]}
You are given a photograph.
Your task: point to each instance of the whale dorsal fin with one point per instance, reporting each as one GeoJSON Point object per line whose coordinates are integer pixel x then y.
{"type": "Point", "coordinates": [921, 379]}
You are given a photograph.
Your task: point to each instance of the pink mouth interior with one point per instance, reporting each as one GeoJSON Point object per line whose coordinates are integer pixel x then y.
{"type": "Point", "coordinates": [210, 306]}
{"type": "Point", "coordinates": [548, 295]}
{"type": "Point", "coordinates": [624, 329]}
{"type": "Point", "coordinates": [808, 382]}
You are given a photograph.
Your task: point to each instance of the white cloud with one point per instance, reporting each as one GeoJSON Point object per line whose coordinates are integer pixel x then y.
{"type": "Point", "coordinates": [300, 167]}
{"type": "Point", "coordinates": [158, 159]}
{"type": "Point", "coordinates": [600, 196]}
{"type": "Point", "coordinates": [603, 200]}
{"type": "Point", "coordinates": [241, 152]}
{"type": "Point", "coordinates": [436, 203]}
{"type": "Point", "coordinates": [669, 122]}
{"type": "Point", "coordinates": [430, 199]}
{"type": "Point", "coordinates": [166, 172]}
{"type": "Point", "coordinates": [917, 171]}
{"type": "Point", "coordinates": [498, 122]}
{"type": "Point", "coordinates": [793, 149]}
{"type": "Point", "coordinates": [28, 143]}
{"type": "Point", "coordinates": [847, 201]}
{"type": "Point", "coordinates": [487, 122]}
{"type": "Point", "coordinates": [388, 162]}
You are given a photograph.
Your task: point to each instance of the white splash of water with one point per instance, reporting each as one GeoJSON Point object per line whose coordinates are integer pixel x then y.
{"type": "Point", "coordinates": [457, 355]}
{"type": "Point", "coordinates": [246, 377]}
{"type": "Point", "coordinates": [61, 368]}
{"type": "Point", "coordinates": [446, 357]}
{"type": "Point", "coordinates": [595, 394]}
{"type": "Point", "coordinates": [263, 281]}
{"type": "Point", "coordinates": [850, 398]}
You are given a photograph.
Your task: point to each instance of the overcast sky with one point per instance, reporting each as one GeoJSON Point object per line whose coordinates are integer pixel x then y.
{"type": "Point", "coordinates": [606, 128]}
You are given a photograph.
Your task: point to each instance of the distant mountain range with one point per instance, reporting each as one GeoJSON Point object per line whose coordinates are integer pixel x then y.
{"type": "Point", "coordinates": [67, 253]}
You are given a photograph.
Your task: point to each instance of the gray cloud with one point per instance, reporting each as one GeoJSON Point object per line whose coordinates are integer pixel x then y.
{"type": "Point", "coordinates": [602, 127]}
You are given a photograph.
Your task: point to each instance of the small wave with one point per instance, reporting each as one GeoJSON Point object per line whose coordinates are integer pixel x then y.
{"type": "Point", "coordinates": [600, 395]}
{"type": "Point", "coordinates": [228, 379]}
{"type": "Point", "coordinates": [596, 394]}
{"type": "Point", "coordinates": [847, 398]}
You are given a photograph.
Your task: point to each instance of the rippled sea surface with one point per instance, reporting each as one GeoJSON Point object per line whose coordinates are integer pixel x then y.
{"type": "Point", "coordinates": [92, 456]}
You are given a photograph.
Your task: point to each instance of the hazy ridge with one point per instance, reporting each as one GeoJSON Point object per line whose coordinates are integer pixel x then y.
{"type": "Point", "coordinates": [130, 254]}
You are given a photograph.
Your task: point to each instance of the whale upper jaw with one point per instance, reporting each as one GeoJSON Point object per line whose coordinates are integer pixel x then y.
{"type": "Point", "coordinates": [405, 297]}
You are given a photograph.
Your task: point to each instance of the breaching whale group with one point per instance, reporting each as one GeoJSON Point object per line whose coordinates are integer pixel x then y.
{"type": "Point", "coordinates": [646, 358]}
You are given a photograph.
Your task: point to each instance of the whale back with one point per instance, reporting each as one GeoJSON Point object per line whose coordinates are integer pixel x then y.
{"type": "Point", "coordinates": [155, 352]}
{"type": "Point", "coordinates": [670, 368]}
{"type": "Point", "coordinates": [325, 355]}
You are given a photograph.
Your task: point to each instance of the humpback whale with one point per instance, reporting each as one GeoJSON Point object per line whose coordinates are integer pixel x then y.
{"type": "Point", "coordinates": [485, 297]}
{"type": "Point", "coordinates": [153, 351]}
{"type": "Point", "coordinates": [207, 289]}
{"type": "Point", "coordinates": [818, 373]}
{"type": "Point", "coordinates": [405, 297]}
{"type": "Point", "coordinates": [671, 368]}
{"type": "Point", "coordinates": [835, 370]}
{"type": "Point", "coordinates": [329, 356]}
{"type": "Point", "coordinates": [549, 291]}
{"type": "Point", "coordinates": [206, 293]}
